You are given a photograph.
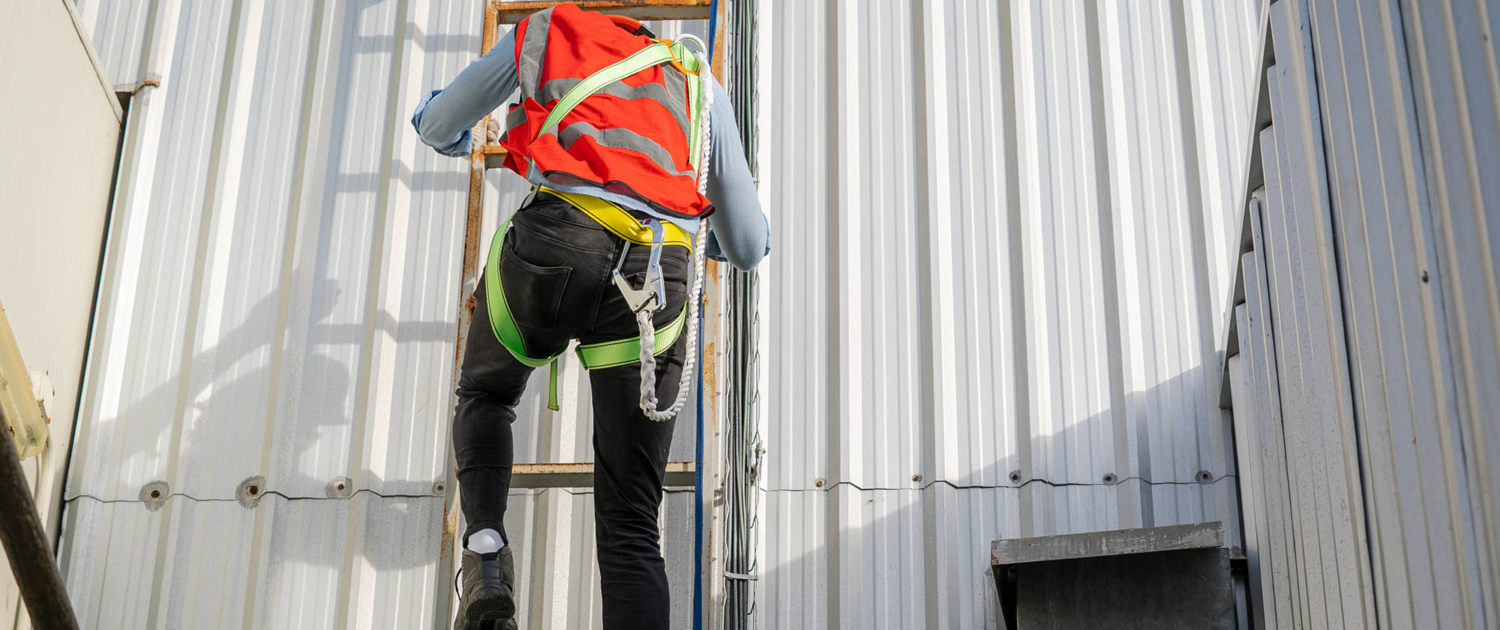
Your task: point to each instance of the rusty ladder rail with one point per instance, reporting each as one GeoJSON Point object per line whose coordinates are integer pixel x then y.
{"type": "Point", "coordinates": [486, 156]}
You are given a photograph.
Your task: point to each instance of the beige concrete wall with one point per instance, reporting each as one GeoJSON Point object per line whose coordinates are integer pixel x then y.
{"type": "Point", "coordinates": [59, 128]}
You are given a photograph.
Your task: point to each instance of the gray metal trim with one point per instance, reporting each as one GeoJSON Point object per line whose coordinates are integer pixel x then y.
{"type": "Point", "coordinates": [1008, 551]}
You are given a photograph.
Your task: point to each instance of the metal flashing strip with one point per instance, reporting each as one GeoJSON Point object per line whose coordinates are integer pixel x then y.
{"type": "Point", "coordinates": [1008, 551]}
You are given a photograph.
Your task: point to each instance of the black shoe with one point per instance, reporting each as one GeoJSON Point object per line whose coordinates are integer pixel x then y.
{"type": "Point", "coordinates": [487, 601]}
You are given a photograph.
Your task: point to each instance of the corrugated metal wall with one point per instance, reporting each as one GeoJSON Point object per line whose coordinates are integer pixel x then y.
{"type": "Point", "coordinates": [1369, 318]}
{"type": "Point", "coordinates": [1001, 235]}
{"type": "Point", "coordinates": [1452, 51]}
{"type": "Point", "coordinates": [280, 292]}
{"type": "Point", "coordinates": [280, 310]}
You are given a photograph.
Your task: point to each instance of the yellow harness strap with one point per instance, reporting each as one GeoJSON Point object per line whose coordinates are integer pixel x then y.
{"type": "Point", "coordinates": [620, 222]}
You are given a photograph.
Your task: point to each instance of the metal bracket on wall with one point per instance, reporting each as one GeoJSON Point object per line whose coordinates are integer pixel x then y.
{"type": "Point", "coordinates": [26, 420]}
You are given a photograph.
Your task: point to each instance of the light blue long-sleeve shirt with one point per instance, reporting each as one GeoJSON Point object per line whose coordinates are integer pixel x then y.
{"type": "Point", "coordinates": [739, 232]}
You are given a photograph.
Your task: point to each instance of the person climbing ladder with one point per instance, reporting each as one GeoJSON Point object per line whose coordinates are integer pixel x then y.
{"type": "Point", "coordinates": [630, 145]}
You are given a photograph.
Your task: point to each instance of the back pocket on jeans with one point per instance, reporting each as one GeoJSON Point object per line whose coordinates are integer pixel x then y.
{"type": "Point", "coordinates": [533, 293]}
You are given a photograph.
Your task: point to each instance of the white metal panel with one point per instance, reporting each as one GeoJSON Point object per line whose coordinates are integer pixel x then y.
{"type": "Point", "coordinates": [1378, 271]}
{"type": "Point", "coordinates": [1224, 44]}
{"type": "Point", "coordinates": [253, 321]}
{"type": "Point", "coordinates": [279, 300]}
{"type": "Point", "coordinates": [1310, 353]}
{"type": "Point", "coordinates": [1252, 502]}
{"type": "Point", "coordinates": [1424, 541]}
{"type": "Point", "coordinates": [1260, 413]}
{"type": "Point", "coordinates": [993, 251]}
{"type": "Point", "coordinates": [1452, 52]}
{"type": "Point", "coordinates": [119, 31]}
{"type": "Point", "coordinates": [363, 562]}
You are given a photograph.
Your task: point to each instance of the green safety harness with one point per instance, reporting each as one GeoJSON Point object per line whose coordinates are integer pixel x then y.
{"type": "Point", "coordinates": [651, 297]}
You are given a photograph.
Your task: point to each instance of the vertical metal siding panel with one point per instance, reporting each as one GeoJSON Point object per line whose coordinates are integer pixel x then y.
{"type": "Point", "coordinates": [1452, 54]}
{"type": "Point", "coordinates": [1242, 387]}
{"type": "Point", "coordinates": [796, 561]}
{"type": "Point", "coordinates": [1369, 381]}
{"type": "Point", "coordinates": [1154, 242]}
{"type": "Point", "coordinates": [918, 279]}
{"type": "Point", "coordinates": [1249, 419]}
{"type": "Point", "coordinates": [1279, 203]}
{"type": "Point", "coordinates": [280, 303]}
{"type": "Point", "coordinates": [964, 176]}
{"type": "Point", "coordinates": [1425, 552]}
{"type": "Point", "coordinates": [945, 294]}
{"type": "Point", "coordinates": [979, 181]}
{"type": "Point", "coordinates": [119, 31]}
{"type": "Point", "coordinates": [1257, 340]}
{"type": "Point", "coordinates": [1329, 437]}
{"type": "Point", "coordinates": [802, 320]}
{"type": "Point", "coordinates": [155, 240]}
{"type": "Point", "coordinates": [1069, 313]}
{"type": "Point", "coordinates": [1223, 52]}
{"type": "Point", "coordinates": [1121, 61]}
{"type": "Point", "coordinates": [303, 559]}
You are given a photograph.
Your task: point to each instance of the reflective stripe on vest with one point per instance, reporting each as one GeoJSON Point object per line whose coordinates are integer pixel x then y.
{"type": "Point", "coordinates": [532, 48]}
{"type": "Point", "coordinates": [555, 89]}
{"type": "Point", "coordinates": [675, 101]}
{"type": "Point", "coordinates": [621, 139]}
{"type": "Point", "coordinates": [638, 136]}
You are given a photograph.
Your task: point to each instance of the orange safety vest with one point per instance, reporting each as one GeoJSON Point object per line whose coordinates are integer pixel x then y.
{"type": "Point", "coordinates": [638, 136]}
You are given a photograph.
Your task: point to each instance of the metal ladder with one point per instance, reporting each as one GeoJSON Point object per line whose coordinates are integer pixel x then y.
{"type": "Point", "coordinates": [697, 474]}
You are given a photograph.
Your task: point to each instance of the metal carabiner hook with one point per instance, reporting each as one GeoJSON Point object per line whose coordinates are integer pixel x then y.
{"type": "Point", "coordinates": [652, 294]}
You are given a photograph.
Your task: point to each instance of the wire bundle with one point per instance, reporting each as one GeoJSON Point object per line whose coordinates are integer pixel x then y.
{"type": "Point", "coordinates": [742, 433]}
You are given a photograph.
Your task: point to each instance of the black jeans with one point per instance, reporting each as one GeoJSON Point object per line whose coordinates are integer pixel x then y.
{"type": "Point", "coordinates": [555, 267]}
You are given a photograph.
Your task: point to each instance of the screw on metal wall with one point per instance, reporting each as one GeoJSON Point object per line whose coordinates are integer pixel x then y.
{"type": "Point", "coordinates": [154, 495]}
{"type": "Point", "coordinates": [250, 491]}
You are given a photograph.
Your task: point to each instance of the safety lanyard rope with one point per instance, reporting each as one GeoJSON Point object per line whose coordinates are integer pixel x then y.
{"type": "Point", "coordinates": [648, 400]}
{"type": "Point", "coordinates": [651, 297]}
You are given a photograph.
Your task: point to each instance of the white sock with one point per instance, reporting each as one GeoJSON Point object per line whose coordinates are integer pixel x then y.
{"type": "Point", "coordinates": [485, 541]}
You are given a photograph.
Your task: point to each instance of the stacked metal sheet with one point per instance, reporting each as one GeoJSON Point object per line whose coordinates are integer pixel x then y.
{"type": "Point", "coordinates": [1362, 363]}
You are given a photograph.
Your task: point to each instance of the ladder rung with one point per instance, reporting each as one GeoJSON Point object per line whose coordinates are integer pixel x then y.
{"type": "Point", "coordinates": [513, 12]}
{"type": "Point", "coordinates": [494, 155]}
{"type": "Point", "coordinates": [679, 474]}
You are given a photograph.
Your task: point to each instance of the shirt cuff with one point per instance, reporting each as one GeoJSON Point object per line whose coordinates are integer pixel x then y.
{"type": "Point", "coordinates": [714, 251]}
{"type": "Point", "coordinates": [460, 147]}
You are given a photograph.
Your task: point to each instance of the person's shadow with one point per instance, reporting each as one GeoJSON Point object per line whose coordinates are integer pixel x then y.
{"type": "Point", "coordinates": [260, 409]}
